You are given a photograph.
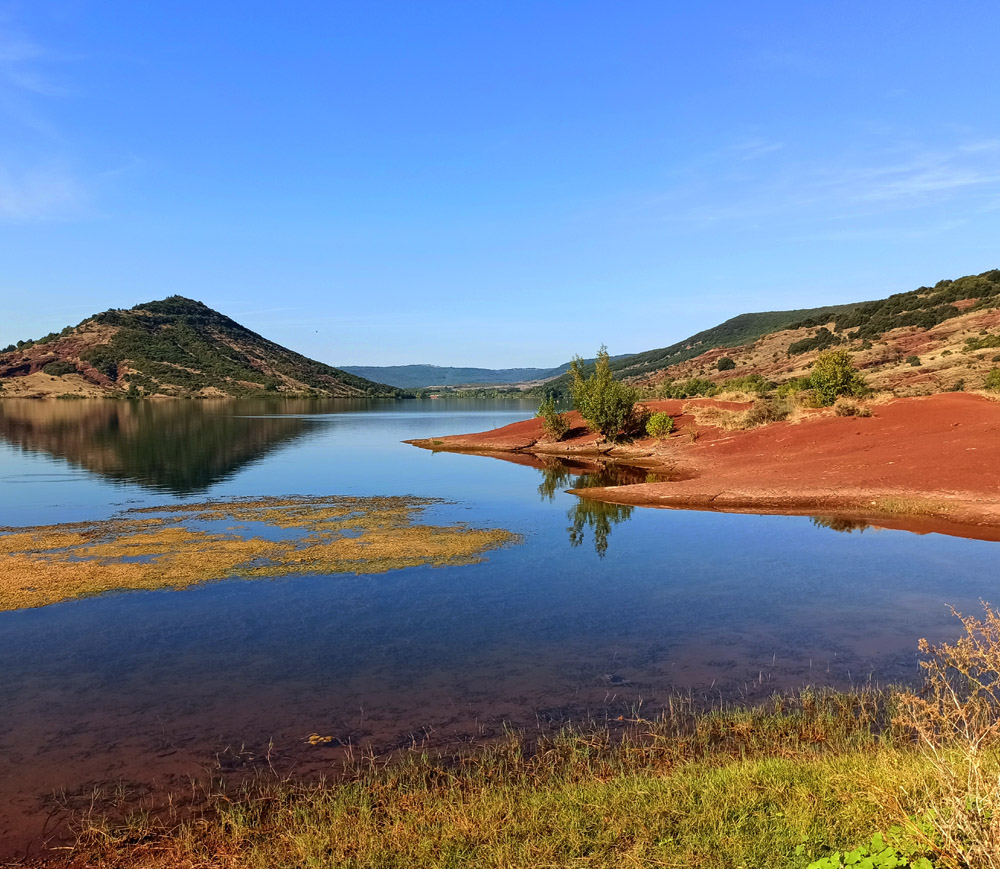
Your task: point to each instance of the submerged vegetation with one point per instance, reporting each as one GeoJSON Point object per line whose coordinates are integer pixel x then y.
{"type": "Point", "coordinates": [818, 779]}
{"type": "Point", "coordinates": [181, 545]}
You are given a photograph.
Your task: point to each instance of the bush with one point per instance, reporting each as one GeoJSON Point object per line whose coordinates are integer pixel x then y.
{"type": "Point", "coordinates": [659, 425]}
{"type": "Point", "coordinates": [764, 411]}
{"type": "Point", "coordinates": [993, 380]}
{"type": "Point", "coordinates": [555, 424]}
{"type": "Point", "coordinates": [793, 387]}
{"type": "Point", "coordinates": [607, 405]}
{"type": "Point", "coordinates": [751, 383]}
{"type": "Point", "coordinates": [725, 364]}
{"type": "Point", "coordinates": [58, 369]}
{"type": "Point", "coordinates": [689, 388]}
{"type": "Point", "coordinates": [849, 408]}
{"type": "Point", "coordinates": [913, 360]}
{"type": "Point", "coordinates": [834, 375]}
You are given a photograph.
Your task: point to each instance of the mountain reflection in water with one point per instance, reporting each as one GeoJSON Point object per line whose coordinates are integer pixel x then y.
{"type": "Point", "coordinates": [180, 447]}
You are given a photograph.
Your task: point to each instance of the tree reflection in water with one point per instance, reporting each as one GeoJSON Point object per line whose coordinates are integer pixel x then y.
{"type": "Point", "coordinates": [840, 523]}
{"type": "Point", "coordinates": [598, 516]}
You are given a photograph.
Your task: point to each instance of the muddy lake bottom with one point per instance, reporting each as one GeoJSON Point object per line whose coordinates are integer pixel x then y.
{"type": "Point", "coordinates": [598, 612]}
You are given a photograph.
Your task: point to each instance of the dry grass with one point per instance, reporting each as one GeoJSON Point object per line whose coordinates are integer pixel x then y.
{"type": "Point", "coordinates": [956, 719]}
{"type": "Point", "coordinates": [909, 506]}
{"type": "Point", "coordinates": [178, 546]}
{"type": "Point", "coordinates": [762, 412]}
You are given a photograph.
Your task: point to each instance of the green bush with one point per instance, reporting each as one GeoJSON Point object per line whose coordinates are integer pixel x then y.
{"type": "Point", "coordinates": [58, 369]}
{"type": "Point", "coordinates": [659, 425]}
{"type": "Point", "coordinates": [725, 364]}
{"type": "Point", "coordinates": [794, 386]}
{"type": "Point", "coordinates": [983, 342]}
{"type": "Point", "coordinates": [913, 360]}
{"type": "Point", "coordinates": [993, 380]}
{"type": "Point", "coordinates": [555, 424]}
{"type": "Point", "coordinates": [751, 383]}
{"type": "Point", "coordinates": [607, 405]}
{"type": "Point", "coordinates": [834, 375]}
{"type": "Point", "coordinates": [689, 388]}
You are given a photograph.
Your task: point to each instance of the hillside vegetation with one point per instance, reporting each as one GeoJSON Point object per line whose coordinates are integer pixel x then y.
{"type": "Point", "coordinates": [930, 339]}
{"type": "Point", "coordinates": [175, 347]}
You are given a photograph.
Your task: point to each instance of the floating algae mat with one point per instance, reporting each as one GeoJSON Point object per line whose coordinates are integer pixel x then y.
{"type": "Point", "coordinates": [177, 546]}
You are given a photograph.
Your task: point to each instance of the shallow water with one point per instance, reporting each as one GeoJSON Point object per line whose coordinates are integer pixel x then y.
{"type": "Point", "coordinates": [601, 610]}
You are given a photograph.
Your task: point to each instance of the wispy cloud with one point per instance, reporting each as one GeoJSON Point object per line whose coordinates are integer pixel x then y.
{"type": "Point", "coordinates": [38, 181]}
{"type": "Point", "coordinates": [900, 178]}
{"type": "Point", "coordinates": [754, 148]}
{"type": "Point", "coordinates": [40, 194]}
{"type": "Point", "coordinates": [21, 64]}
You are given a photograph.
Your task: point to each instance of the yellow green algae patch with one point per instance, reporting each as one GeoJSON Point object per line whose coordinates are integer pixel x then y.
{"type": "Point", "coordinates": [180, 545]}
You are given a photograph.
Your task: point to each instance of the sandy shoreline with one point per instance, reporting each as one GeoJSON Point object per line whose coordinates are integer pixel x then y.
{"type": "Point", "coordinates": [924, 464]}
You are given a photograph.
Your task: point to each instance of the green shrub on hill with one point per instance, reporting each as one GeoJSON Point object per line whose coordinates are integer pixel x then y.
{"type": "Point", "coordinates": [58, 369]}
{"type": "Point", "coordinates": [983, 342]}
{"type": "Point", "coordinates": [690, 388]}
{"type": "Point", "coordinates": [752, 383]}
{"type": "Point", "coordinates": [820, 341]}
{"type": "Point", "coordinates": [834, 375]}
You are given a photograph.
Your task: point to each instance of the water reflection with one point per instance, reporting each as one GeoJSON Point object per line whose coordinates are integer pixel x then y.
{"type": "Point", "coordinates": [841, 524]}
{"type": "Point", "coordinates": [181, 447]}
{"type": "Point", "coordinates": [598, 516]}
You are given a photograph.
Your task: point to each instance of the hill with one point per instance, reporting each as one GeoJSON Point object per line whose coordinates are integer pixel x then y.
{"type": "Point", "coordinates": [930, 339]}
{"type": "Point", "coordinates": [174, 347]}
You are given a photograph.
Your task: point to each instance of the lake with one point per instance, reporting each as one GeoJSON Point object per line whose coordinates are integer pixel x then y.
{"type": "Point", "coordinates": [599, 612]}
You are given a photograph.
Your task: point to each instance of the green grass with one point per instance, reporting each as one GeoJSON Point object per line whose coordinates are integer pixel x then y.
{"type": "Point", "coordinates": [734, 788]}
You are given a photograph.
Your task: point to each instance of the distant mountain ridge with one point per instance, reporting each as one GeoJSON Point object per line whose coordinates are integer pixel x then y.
{"type": "Point", "coordinates": [424, 376]}
{"type": "Point", "coordinates": [175, 347]}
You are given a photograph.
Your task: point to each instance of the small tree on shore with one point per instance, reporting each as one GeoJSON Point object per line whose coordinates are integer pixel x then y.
{"type": "Point", "coordinates": [555, 424]}
{"type": "Point", "coordinates": [606, 404]}
{"type": "Point", "coordinates": [834, 375]}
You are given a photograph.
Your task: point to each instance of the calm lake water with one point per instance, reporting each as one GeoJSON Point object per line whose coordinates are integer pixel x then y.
{"type": "Point", "coordinates": [599, 612]}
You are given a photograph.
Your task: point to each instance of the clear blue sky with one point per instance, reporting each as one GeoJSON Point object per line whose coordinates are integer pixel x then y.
{"type": "Point", "coordinates": [490, 183]}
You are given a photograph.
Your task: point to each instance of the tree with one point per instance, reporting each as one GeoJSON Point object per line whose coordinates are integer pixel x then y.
{"type": "Point", "coordinates": [607, 405]}
{"type": "Point", "coordinates": [555, 424]}
{"type": "Point", "coordinates": [725, 364]}
{"type": "Point", "coordinates": [834, 375]}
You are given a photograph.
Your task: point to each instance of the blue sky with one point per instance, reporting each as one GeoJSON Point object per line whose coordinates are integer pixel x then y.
{"type": "Point", "coordinates": [490, 183]}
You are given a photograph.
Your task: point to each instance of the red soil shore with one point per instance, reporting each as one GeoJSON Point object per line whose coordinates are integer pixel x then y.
{"type": "Point", "coordinates": [928, 463]}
